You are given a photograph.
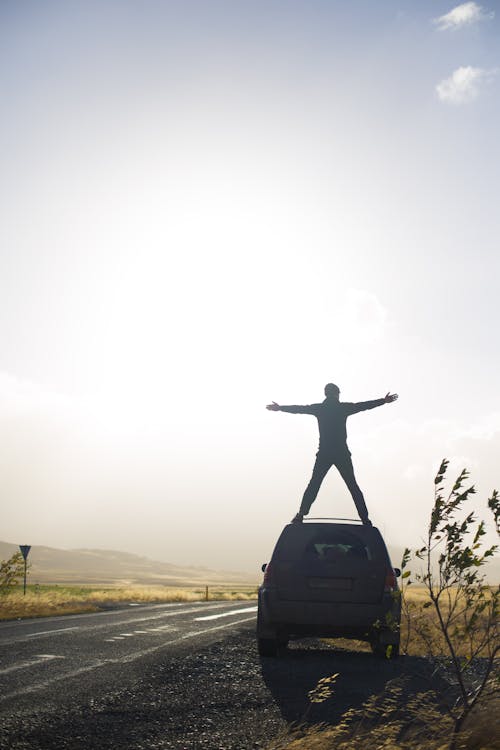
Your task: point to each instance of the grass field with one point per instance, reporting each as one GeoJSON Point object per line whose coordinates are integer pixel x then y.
{"type": "Point", "coordinates": [42, 601]}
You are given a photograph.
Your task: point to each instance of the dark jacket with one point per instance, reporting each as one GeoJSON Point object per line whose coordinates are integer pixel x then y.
{"type": "Point", "coordinates": [332, 416]}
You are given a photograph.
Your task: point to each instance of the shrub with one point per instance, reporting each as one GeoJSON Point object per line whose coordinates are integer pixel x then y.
{"type": "Point", "coordinates": [11, 571]}
{"type": "Point", "coordinates": [462, 609]}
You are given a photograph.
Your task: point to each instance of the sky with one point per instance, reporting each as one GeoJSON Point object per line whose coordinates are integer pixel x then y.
{"type": "Point", "coordinates": [206, 206]}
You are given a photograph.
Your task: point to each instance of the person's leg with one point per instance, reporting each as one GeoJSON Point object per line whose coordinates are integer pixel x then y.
{"type": "Point", "coordinates": [344, 465]}
{"type": "Point", "coordinates": [320, 470]}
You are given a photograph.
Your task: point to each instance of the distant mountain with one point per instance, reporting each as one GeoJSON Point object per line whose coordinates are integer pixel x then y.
{"type": "Point", "coordinates": [97, 566]}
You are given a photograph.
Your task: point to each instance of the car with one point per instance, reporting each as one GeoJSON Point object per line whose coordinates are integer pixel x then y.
{"type": "Point", "coordinates": [329, 579]}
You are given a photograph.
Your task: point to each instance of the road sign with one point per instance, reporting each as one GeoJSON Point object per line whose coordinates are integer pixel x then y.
{"type": "Point", "coordinates": [25, 550]}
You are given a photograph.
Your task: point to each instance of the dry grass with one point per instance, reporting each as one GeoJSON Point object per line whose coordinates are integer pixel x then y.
{"type": "Point", "coordinates": [384, 722]}
{"type": "Point", "coordinates": [420, 631]}
{"type": "Point", "coordinates": [58, 600]}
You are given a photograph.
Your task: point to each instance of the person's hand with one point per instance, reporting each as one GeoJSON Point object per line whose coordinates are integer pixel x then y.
{"type": "Point", "coordinates": [273, 407]}
{"type": "Point", "coordinates": [390, 397]}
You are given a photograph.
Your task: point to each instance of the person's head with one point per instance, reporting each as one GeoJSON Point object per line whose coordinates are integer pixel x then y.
{"type": "Point", "coordinates": [332, 391]}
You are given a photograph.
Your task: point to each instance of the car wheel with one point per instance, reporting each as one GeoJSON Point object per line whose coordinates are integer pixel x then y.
{"type": "Point", "coordinates": [267, 646]}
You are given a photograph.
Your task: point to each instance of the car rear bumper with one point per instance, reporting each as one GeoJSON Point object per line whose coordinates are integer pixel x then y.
{"type": "Point", "coordinates": [327, 619]}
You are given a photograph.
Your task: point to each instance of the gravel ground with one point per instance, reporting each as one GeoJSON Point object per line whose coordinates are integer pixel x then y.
{"type": "Point", "coordinates": [220, 697]}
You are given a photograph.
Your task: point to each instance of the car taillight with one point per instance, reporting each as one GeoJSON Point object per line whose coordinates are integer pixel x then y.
{"type": "Point", "coordinates": [390, 581]}
{"type": "Point", "coordinates": [268, 573]}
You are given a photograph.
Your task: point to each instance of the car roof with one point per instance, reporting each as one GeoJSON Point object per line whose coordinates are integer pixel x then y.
{"type": "Point", "coordinates": [341, 524]}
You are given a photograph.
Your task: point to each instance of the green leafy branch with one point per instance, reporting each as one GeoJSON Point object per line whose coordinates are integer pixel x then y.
{"type": "Point", "coordinates": [465, 607]}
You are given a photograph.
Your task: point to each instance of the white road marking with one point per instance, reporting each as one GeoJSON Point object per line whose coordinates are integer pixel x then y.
{"type": "Point", "coordinates": [50, 632]}
{"type": "Point", "coordinates": [128, 621]}
{"type": "Point", "coordinates": [119, 660]}
{"type": "Point", "coordinates": [5, 625]}
{"type": "Point", "coordinates": [37, 659]}
{"type": "Point", "coordinates": [161, 629]}
{"type": "Point", "coordinates": [226, 614]}
{"type": "Point", "coordinates": [151, 631]}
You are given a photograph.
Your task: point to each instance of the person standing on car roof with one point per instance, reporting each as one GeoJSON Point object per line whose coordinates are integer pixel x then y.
{"type": "Point", "coordinates": [332, 415]}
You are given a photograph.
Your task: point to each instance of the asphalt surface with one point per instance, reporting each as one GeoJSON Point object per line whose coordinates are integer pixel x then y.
{"type": "Point", "coordinates": [175, 676]}
{"type": "Point", "coordinates": [44, 657]}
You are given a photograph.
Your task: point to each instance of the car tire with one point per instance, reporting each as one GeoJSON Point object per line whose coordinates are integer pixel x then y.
{"type": "Point", "coordinates": [267, 646]}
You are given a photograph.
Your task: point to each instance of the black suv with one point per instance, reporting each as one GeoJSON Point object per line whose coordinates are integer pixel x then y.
{"type": "Point", "coordinates": [329, 579]}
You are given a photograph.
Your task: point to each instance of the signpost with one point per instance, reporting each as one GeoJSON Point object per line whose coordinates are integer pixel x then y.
{"type": "Point", "coordinates": [25, 550]}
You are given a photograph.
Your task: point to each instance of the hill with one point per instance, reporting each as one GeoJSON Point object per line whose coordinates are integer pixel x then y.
{"type": "Point", "coordinates": [111, 567]}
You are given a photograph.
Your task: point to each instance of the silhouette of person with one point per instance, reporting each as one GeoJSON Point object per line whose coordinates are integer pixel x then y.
{"type": "Point", "coordinates": [332, 415]}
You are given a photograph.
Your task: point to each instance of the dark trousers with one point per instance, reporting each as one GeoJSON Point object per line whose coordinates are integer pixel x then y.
{"type": "Point", "coordinates": [324, 461]}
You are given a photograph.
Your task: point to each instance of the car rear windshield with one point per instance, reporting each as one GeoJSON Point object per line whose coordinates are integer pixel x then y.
{"type": "Point", "coordinates": [329, 543]}
{"type": "Point", "coordinates": [337, 546]}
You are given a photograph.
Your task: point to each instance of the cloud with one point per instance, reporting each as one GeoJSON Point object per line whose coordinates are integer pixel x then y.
{"type": "Point", "coordinates": [463, 15]}
{"type": "Point", "coordinates": [463, 85]}
{"type": "Point", "coordinates": [396, 462]}
{"type": "Point", "coordinates": [366, 314]}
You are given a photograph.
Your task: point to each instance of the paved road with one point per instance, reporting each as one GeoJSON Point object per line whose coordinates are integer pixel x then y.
{"type": "Point", "coordinates": [60, 656]}
{"type": "Point", "coordinates": [172, 677]}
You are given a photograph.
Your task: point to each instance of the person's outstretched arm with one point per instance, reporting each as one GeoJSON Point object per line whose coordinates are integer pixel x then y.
{"type": "Point", "coordinates": [364, 405]}
{"type": "Point", "coordinates": [291, 409]}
